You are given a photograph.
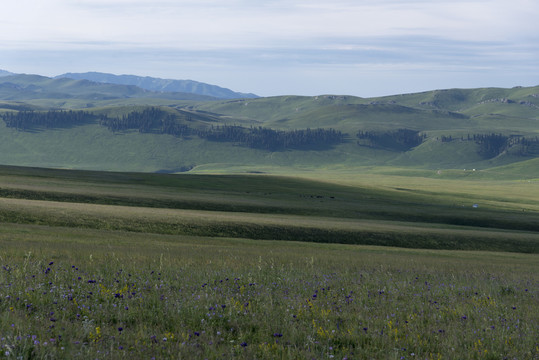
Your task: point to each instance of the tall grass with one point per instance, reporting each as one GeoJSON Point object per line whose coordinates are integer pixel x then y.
{"type": "Point", "coordinates": [74, 293]}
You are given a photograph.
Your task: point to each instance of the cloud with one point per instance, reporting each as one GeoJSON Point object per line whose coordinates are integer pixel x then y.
{"type": "Point", "coordinates": [237, 23]}
{"type": "Point", "coordinates": [272, 37]}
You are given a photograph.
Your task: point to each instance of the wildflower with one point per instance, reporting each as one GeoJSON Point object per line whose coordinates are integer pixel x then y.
{"type": "Point", "coordinates": [243, 344]}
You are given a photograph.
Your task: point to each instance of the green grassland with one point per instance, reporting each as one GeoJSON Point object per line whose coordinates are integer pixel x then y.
{"type": "Point", "coordinates": [436, 115]}
{"type": "Point", "coordinates": [340, 251]}
{"type": "Point", "coordinates": [419, 214]}
{"type": "Point", "coordinates": [127, 265]}
{"type": "Point", "coordinates": [70, 293]}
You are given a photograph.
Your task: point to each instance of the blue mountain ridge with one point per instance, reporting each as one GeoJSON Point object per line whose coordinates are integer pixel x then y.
{"type": "Point", "coordinates": [160, 85]}
{"type": "Point", "coordinates": [5, 73]}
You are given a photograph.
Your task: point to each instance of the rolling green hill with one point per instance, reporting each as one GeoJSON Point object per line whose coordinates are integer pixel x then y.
{"type": "Point", "coordinates": [442, 129]}
{"type": "Point", "coordinates": [514, 109]}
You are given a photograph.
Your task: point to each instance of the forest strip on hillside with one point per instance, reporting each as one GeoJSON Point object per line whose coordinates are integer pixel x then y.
{"type": "Point", "coordinates": [155, 120]}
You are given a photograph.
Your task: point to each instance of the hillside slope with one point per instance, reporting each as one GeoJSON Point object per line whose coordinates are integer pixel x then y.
{"type": "Point", "coordinates": [124, 127]}
{"type": "Point", "coordinates": [485, 108]}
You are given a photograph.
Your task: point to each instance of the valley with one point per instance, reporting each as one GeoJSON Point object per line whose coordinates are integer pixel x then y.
{"type": "Point", "coordinates": [139, 223]}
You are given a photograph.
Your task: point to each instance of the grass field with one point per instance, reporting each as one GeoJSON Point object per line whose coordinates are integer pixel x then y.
{"type": "Point", "coordinates": [282, 208]}
{"type": "Point", "coordinates": [133, 265]}
{"type": "Point", "coordinates": [82, 293]}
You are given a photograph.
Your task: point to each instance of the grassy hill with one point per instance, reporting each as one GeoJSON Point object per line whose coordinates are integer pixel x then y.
{"type": "Point", "coordinates": [453, 129]}
{"type": "Point", "coordinates": [440, 109]}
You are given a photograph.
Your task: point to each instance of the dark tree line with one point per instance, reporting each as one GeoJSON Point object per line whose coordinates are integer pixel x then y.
{"type": "Point", "coordinates": [149, 120]}
{"type": "Point", "coordinates": [269, 139]}
{"type": "Point", "coordinates": [144, 121]}
{"type": "Point", "coordinates": [529, 146]}
{"type": "Point", "coordinates": [171, 127]}
{"type": "Point", "coordinates": [492, 145]}
{"type": "Point", "coordinates": [399, 140]}
{"type": "Point", "coordinates": [159, 121]}
{"type": "Point", "coordinates": [25, 120]}
{"type": "Point", "coordinates": [448, 138]}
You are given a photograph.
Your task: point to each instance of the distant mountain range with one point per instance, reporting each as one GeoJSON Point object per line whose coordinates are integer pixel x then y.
{"type": "Point", "coordinates": [5, 73]}
{"type": "Point", "coordinates": [31, 87]}
{"type": "Point", "coordinates": [157, 85]}
{"type": "Point", "coordinates": [160, 85]}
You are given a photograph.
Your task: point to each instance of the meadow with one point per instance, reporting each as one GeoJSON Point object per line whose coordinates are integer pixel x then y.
{"type": "Point", "coordinates": [70, 293]}
{"type": "Point", "coordinates": [134, 265]}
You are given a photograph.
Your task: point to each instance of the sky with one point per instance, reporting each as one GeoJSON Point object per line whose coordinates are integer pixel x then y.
{"type": "Point", "coordinates": [280, 47]}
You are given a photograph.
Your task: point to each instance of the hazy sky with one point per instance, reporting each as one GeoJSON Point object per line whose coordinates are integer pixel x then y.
{"type": "Point", "coordinates": [276, 47]}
